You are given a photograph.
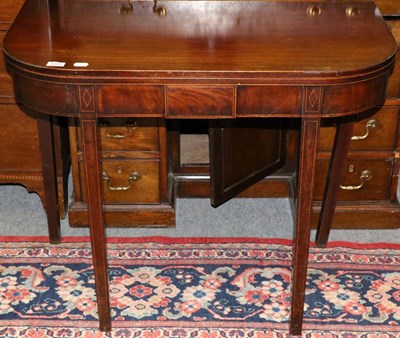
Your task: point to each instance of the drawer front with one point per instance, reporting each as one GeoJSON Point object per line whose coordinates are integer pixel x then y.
{"type": "Point", "coordinates": [393, 87]}
{"type": "Point", "coordinates": [128, 134]}
{"type": "Point", "coordinates": [131, 99]}
{"type": "Point", "coordinates": [129, 182]}
{"type": "Point", "coordinates": [394, 26]}
{"type": "Point", "coordinates": [256, 100]}
{"type": "Point", "coordinates": [8, 11]}
{"type": "Point", "coordinates": [377, 132]}
{"type": "Point", "coordinates": [6, 86]}
{"type": "Point", "coordinates": [19, 148]}
{"type": "Point", "coordinates": [362, 179]}
{"type": "Point", "coordinates": [201, 102]}
{"type": "Point", "coordinates": [388, 7]}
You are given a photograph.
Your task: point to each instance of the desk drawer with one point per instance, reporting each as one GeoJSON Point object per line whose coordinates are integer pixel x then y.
{"type": "Point", "coordinates": [389, 7]}
{"type": "Point", "coordinates": [124, 134]}
{"type": "Point", "coordinates": [6, 86]}
{"type": "Point", "coordinates": [8, 11]}
{"type": "Point", "coordinates": [19, 150]}
{"type": "Point", "coordinates": [362, 179]}
{"type": "Point", "coordinates": [393, 88]}
{"type": "Point", "coordinates": [394, 26]}
{"type": "Point", "coordinates": [199, 101]}
{"type": "Point", "coordinates": [377, 132]}
{"type": "Point", "coordinates": [129, 181]}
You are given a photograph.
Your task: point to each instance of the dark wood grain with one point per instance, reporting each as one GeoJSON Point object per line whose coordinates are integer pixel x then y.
{"type": "Point", "coordinates": [128, 135]}
{"type": "Point", "coordinates": [269, 100]}
{"type": "Point", "coordinates": [201, 53]}
{"type": "Point", "coordinates": [308, 152]}
{"type": "Point", "coordinates": [19, 140]}
{"type": "Point", "coordinates": [375, 132]}
{"type": "Point", "coordinates": [200, 101]}
{"type": "Point", "coordinates": [123, 216]}
{"type": "Point", "coordinates": [8, 11]}
{"type": "Point", "coordinates": [96, 219]}
{"type": "Point", "coordinates": [6, 85]}
{"type": "Point", "coordinates": [373, 190]}
{"type": "Point", "coordinates": [344, 132]}
{"type": "Point", "coordinates": [142, 100]}
{"type": "Point", "coordinates": [242, 152]}
{"type": "Point", "coordinates": [47, 153]}
{"type": "Point", "coordinates": [121, 189]}
{"type": "Point", "coordinates": [201, 37]}
{"type": "Point", "coordinates": [389, 7]}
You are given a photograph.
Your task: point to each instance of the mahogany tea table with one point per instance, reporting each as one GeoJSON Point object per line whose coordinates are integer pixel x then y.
{"type": "Point", "coordinates": [187, 59]}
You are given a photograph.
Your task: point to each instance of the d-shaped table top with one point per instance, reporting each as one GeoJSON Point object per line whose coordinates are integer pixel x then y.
{"type": "Point", "coordinates": [166, 52]}
{"type": "Point", "coordinates": [200, 59]}
{"type": "Point", "coordinates": [193, 39]}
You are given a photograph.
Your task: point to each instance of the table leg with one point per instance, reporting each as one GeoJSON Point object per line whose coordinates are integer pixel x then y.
{"type": "Point", "coordinates": [47, 154]}
{"type": "Point", "coordinates": [307, 162]}
{"type": "Point", "coordinates": [344, 132]}
{"type": "Point", "coordinates": [91, 161]}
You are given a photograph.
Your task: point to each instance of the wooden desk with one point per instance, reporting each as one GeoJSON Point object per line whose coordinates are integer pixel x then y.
{"type": "Point", "coordinates": [201, 59]}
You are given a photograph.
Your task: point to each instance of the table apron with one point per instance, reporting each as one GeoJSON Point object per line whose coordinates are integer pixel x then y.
{"type": "Point", "coordinates": [200, 101]}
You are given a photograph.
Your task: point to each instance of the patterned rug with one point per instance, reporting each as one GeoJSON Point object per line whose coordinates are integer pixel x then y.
{"type": "Point", "coordinates": [206, 288]}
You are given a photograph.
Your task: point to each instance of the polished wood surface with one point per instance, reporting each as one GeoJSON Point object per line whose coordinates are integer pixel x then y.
{"type": "Point", "coordinates": [201, 36]}
{"type": "Point", "coordinates": [96, 219]}
{"type": "Point", "coordinates": [389, 7]}
{"type": "Point", "coordinates": [214, 58]}
{"type": "Point", "coordinates": [343, 135]}
{"type": "Point", "coordinates": [20, 158]}
{"type": "Point", "coordinates": [242, 152]}
{"type": "Point", "coordinates": [46, 139]}
{"type": "Point", "coordinates": [308, 153]}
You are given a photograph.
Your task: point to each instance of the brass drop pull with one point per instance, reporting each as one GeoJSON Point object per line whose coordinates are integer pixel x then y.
{"type": "Point", "coordinates": [133, 177]}
{"type": "Point", "coordinates": [126, 9]}
{"type": "Point", "coordinates": [352, 11]}
{"type": "Point", "coordinates": [313, 11]}
{"type": "Point", "coordinates": [370, 125]}
{"type": "Point", "coordinates": [366, 175]}
{"type": "Point", "coordinates": [128, 130]}
{"type": "Point", "coordinates": [159, 10]}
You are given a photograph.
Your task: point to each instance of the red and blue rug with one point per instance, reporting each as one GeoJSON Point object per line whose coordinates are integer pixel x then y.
{"type": "Point", "coordinates": [206, 288]}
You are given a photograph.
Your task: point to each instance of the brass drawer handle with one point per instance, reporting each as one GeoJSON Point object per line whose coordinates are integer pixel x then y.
{"type": "Point", "coordinates": [133, 177]}
{"type": "Point", "coordinates": [313, 11]}
{"type": "Point", "coordinates": [366, 175]}
{"type": "Point", "coordinates": [129, 128]}
{"type": "Point", "coordinates": [352, 11]}
{"type": "Point", "coordinates": [370, 125]}
{"type": "Point", "coordinates": [126, 9]}
{"type": "Point", "coordinates": [159, 10]}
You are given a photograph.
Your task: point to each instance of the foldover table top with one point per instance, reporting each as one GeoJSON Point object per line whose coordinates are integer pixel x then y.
{"type": "Point", "coordinates": [169, 39]}
{"type": "Point", "coordinates": [201, 59]}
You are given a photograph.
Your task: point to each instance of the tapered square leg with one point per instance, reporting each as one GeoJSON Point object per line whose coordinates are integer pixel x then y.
{"type": "Point", "coordinates": [47, 154]}
{"type": "Point", "coordinates": [344, 132]}
{"type": "Point", "coordinates": [91, 160]}
{"type": "Point", "coordinates": [307, 163]}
